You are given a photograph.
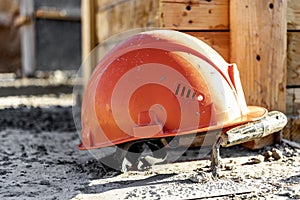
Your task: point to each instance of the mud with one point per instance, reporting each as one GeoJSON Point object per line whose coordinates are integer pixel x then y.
{"type": "Point", "coordinates": [39, 159]}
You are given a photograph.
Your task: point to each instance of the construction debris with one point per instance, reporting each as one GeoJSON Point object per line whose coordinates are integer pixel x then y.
{"type": "Point", "coordinates": [276, 154]}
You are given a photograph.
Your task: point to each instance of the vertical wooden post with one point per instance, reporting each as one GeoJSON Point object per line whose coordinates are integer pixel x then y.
{"type": "Point", "coordinates": [258, 46]}
{"type": "Point", "coordinates": [28, 38]}
{"type": "Point", "coordinates": [88, 36]}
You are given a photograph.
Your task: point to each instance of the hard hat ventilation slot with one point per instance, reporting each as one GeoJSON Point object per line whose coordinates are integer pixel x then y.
{"type": "Point", "coordinates": [182, 91]}
{"type": "Point", "coordinates": [177, 89]}
{"type": "Point", "coordinates": [188, 93]}
{"type": "Point", "coordinates": [193, 97]}
{"type": "Point", "coordinates": [185, 92]}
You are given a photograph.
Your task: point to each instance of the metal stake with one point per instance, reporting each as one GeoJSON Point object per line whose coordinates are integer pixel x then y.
{"type": "Point", "coordinates": [215, 158]}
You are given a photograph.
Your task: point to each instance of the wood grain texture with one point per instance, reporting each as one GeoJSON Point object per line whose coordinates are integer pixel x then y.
{"type": "Point", "coordinates": [195, 15]}
{"type": "Point", "coordinates": [217, 40]}
{"type": "Point", "coordinates": [104, 4]}
{"type": "Point", "coordinates": [124, 15]}
{"type": "Point", "coordinates": [292, 129]}
{"type": "Point", "coordinates": [293, 59]}
{"type": "Point", "coordinates": [259, 143]}
{"type": "Point", "coordinates": [88, 26]}
{"type": "Point", "coordinates": [88, 37]}
{"type": "Point", "coordinates": [293, 101]}
{"type": "Point", "coordinates": [258, 46]}
{"type": "Point", "coordinates": [293, 14]}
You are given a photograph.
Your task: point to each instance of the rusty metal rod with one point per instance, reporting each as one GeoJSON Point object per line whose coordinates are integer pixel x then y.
{"type": "Point", "coordinates": [56, 14]}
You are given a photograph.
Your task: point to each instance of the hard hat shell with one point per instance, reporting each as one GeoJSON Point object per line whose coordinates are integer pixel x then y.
{"type": "Point", "coordinates": [158, 84]}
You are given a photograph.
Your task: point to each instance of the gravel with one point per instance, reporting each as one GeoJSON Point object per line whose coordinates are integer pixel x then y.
{"type": "Point", "coordinates": [276, 154]}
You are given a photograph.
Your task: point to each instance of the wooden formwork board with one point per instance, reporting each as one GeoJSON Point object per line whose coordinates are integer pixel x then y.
{"type": "Point", "coordinates": [258, 46]}
{"type": "Point", "coordinates": [293, 101]}
{"type": "Point", "coordinates": [293, 59]}
{"type": "Point", "coordinates": [293, 14]}
{"type": "Point", "coordinates": [220, 41]}
{"type": "Point", "coordinates": [195, 15]}
{"type": "Point", "coordinates": [118, 16]}
{"type": "Point", "coordinates": [88, 37]}
{"type": "Point", "coordinates": [292, 129]}
{"type": "Point", "coordinates": [88, 27]}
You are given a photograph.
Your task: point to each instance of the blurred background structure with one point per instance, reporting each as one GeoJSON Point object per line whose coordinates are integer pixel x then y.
{"type": "Point", "coordinates": [40, 51]}
{"type": "Point", "coordinates": [56, 34]}
{"type": "Point", "coordinates": [10, 50]}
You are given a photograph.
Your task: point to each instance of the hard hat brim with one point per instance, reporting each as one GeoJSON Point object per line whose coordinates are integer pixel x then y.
{"type": "Point", "coordinates": [254, 113]}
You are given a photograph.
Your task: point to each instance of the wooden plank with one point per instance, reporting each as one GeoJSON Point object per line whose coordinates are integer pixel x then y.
{"type": "Point", "coordinates": [259, 143]}
{"type": "Point", "coordinates": [293, 14]}
{"type": "Point", "coordinates": [70, 14]}
{"type": "Point", "coordinates": [293, 59]}
{"type": "Point", "coordinates": [217, 40]}
{"type": "Point", "coordinates": [258, 46]}
{"type": "Point", "coordinates": [293, 101]}
{"type": "Point", "coordinates": [105, 3]}
{"type": "Point", "coordinates": [125, 15]}
{"type": "Point", "coordinates": [88, 36]}
{"type": "Point", "coordinates": [88, 27]}
{"type": "Point", "coordinates": [292, 129]}
{"type": "Point", "coordinates": [195, 15]}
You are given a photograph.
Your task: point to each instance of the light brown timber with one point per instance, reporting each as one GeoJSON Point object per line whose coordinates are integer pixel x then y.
{"type": "Point", "coordinates": [88, 36]}
{"type": "Point", "coordinates": [258, 46]}
{"type": "Point", "coordinates": [195, 15]}
{"type": "Point", "coordinates": [293, 15]}
{"type": "Point", "coordinates": [220, 41]}
{"type": "Point", "coordinates": [124, 15]}
{"type": "Point", "coordinates": [293, 58]}
{"type": "Point", "coordinates": [292, 130]}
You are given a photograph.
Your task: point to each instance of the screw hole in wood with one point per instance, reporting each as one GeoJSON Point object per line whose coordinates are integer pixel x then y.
{"type": "Point", "coordinates": [258, 57]}
{"type": "Point", "coordinates": [188, 7]}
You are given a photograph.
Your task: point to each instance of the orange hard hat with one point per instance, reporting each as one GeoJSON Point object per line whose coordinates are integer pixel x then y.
{"type": "Point", "coordinates": [161, 83]}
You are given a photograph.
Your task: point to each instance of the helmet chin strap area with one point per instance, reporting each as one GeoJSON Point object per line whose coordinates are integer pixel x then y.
{"type": "Point", "coordinates": [140, 155]}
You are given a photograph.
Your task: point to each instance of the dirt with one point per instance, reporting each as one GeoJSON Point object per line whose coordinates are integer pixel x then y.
{"type": "Point", "coordinates": [38, 119]}
{"type": "Point", "coordinates": [39, 159]}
